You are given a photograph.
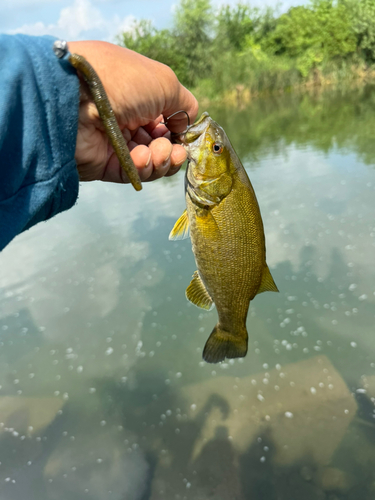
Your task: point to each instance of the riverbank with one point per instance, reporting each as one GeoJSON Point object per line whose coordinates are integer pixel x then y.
{"type": "Point", "coordinates": [241, 94]}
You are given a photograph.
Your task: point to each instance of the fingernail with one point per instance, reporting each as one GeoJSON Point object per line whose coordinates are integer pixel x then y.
{"type": "Point", "coordinates": [149, 160]}
{"type": "Point", "coordinates": [165, 162]}
{"type": "Point", "coordinates": [179, 163]}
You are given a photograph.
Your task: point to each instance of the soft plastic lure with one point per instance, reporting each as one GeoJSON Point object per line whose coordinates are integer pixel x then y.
{"type": "Point", "coordinates": [100, 98]}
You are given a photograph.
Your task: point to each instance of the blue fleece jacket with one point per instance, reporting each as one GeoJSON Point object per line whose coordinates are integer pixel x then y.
{"type": "Point", "coordinates": [39, 98]}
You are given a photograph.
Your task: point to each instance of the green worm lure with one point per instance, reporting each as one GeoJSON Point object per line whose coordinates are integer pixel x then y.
{"type": "Point", "coordinates": [100, 98]}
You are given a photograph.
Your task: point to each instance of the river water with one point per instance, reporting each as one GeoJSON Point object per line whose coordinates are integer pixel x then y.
{"type": "Point", "coordinates": [104, 393]}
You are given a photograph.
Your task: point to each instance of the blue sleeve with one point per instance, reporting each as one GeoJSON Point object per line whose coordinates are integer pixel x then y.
{"type": "Point", "coordinates": [39, 99]}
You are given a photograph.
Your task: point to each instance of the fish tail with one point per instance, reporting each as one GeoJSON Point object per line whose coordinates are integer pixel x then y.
{"type": "Point", "coordinates": [222, 344]}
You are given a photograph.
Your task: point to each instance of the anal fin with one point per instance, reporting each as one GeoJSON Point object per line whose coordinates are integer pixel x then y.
{"type": "Point", "coordinates": [180, 230]}
{"type": "Point", "coordinates": [267, 284]}
{"type": "Point", "coordinates": [197, 294]}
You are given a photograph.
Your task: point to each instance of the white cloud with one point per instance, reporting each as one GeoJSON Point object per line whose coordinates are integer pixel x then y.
{"type": "Point", "coordinates": [94, 19]}
{"type": "Point", "coordinates": [80, 20]}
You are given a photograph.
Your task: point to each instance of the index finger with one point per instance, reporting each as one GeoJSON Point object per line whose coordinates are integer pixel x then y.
{"type": "Point", "coordinates": [181, 99]}
{"type": "Point", "coordinates": [156, 125]}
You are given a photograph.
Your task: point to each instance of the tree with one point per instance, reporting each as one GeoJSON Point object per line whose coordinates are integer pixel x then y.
{"type": "Point", "coordinates": [159, 45]}
{"type": "Point", "coordinates": [186, 48]}
{"type": "Point", "coordinates": [362, 14]}
{"type": "Point", "coordinates": [234, 25]}
{"type": "Point", "coordinates": [322, 30]}
{"type": "Point", "coordinates": [194, 21]}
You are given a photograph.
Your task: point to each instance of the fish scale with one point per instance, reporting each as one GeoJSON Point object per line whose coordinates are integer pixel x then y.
{"type": "Point", "coordinates": [234, 251]}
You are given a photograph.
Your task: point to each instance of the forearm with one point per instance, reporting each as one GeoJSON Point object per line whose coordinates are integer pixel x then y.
{"type": "Point", "coordinates": [39, 98]}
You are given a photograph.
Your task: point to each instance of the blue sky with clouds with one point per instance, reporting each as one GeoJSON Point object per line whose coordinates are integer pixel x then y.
{"type": "Point", "coordinates": [88, 19]}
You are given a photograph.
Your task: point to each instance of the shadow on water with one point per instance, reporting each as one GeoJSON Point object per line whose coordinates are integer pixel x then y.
{"type": "Point", "coordinates": [219, 471]}
{"type": "Point", "coordinates": [24, 464]}
{"type": "Point", "coordinates": [217, 467]}
{"type": "Point", "coordinates": [265, 480]}
{"type": "Point", "coordinates": [145, 409]}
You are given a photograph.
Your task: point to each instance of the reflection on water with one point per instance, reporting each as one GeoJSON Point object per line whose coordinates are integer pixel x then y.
{"type": "Point", "coordinates": [104, 393]}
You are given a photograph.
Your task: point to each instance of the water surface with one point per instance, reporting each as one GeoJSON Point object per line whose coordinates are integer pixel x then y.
{"type": "Point", "coordinates": [104, 393]}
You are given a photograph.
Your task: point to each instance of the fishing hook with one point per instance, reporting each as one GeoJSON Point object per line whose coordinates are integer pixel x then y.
{"type": "Point", "coordinates": [174, 114]}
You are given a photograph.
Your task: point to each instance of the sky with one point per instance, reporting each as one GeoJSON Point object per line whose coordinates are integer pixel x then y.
{"type": "Point", "coordinates": [93, 19]}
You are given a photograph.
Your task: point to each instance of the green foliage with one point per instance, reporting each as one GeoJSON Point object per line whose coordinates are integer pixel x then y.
{"type": "Point", "coordinates": [254, 70]}
{"type": "Point", "coordinates": [241, 25]}
{"type": "Point", "coordinates": [311, 34]}
{"type": "Point", "coordinates": [234, 25]}
{"type": "Point", "coordinates": [193, 22]}
{"type": "Point", "coordinates": [185, 48]}
{"type": "Point", "coordinates": [258, 49]}
{"type": "Point", "coordinates": [363, 22]}
{"type": "Point", "coordinates": [158, 45]}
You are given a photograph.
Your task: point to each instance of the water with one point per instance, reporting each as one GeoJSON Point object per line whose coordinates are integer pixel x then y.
{"type": "Point", "coordinates": [104, 394]}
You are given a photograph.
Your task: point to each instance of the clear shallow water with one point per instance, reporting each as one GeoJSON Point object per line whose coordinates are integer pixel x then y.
{"type": "Point", "coordinates": [104, 393]}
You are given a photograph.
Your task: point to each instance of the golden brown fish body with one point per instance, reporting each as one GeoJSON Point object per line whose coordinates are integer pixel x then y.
{"type": "Point", "coordinates": [227, 236]}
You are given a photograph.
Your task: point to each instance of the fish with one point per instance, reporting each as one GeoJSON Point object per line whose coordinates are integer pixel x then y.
{"type": "Point", "coordinates": [224, 222]}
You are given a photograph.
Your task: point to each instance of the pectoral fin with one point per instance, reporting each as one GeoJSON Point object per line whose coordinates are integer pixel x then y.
{"type": "Point", "coordinates": [180, 230]}
{"type": "Point", "coordinates": [197, 294]}
{"type": "Point", "coordinates": [267, 284]}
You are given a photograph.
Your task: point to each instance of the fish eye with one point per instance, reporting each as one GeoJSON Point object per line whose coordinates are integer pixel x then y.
{"type": "Point", "coordinates": [217, 148]}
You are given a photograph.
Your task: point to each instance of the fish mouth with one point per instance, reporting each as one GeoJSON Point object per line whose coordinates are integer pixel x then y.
{"type": "Point", "coordinates": [194, 131]}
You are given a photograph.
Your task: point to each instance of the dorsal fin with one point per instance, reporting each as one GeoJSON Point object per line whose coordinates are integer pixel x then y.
{"type": "Point", "coordinates": [180, 230]}
{"type": "Point", "coordinates": [267, 284]}
{"type": "Point", "coordinates": [197, 294]}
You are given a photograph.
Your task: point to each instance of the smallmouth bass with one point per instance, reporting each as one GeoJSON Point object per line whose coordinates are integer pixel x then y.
{"type": "Point", "coordinates": [226, 230]}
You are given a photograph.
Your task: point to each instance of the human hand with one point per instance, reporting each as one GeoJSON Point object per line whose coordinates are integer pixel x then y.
{"type": "Point", "coordinates": [141, 92]}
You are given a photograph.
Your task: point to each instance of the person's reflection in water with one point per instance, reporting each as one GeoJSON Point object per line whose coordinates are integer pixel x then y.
{"type": "Point", "coordinates": [217, 468]}
{"type": "Point", "coordinates": [264, 478]}
{"type": "Point", "coordinates": [256, 470]}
